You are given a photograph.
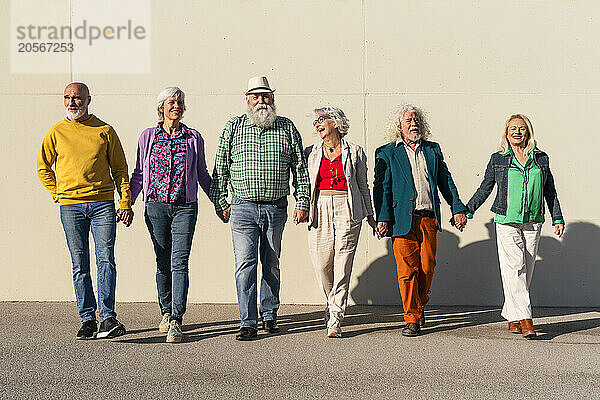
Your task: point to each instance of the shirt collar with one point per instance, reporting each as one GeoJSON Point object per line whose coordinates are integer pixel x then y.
{"type": "Point", "coordinates": [184, 129]}
{"type": "Point", "coordinates": [514, 161]}
{"type": "Point", "coordinates": [401, 141]}
{"type": "Point", "coordinates": [509, 150]}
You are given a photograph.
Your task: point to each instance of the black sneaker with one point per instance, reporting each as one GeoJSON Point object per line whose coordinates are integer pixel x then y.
{"type": "Point", "coordinates": [246, 333]}
{"type": "Point", "coordinates": [271, 326]}
{"type": "Point", "coordinates": [87, 331]}
{"type": "Point", "coordinates": [411, 329]}
{"type": "Point", "coordinates": [110, 328]}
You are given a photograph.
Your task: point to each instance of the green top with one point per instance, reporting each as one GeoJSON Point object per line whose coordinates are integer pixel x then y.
{"type": "Point", "coordinates": [524, 202]}
{"type": "Point", "coordinates": [258, 162]}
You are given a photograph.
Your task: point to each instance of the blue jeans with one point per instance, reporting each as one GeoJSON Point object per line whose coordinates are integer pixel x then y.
{"type": "Point", "coordinates": [77, 219]}
{"type": "Point", "coordinates": [257, 229]}
{"type": "Point", "coordinates": [171, 228]}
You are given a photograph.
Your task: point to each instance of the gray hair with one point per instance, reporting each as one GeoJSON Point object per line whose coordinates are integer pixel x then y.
{"type": "Point", "coordinates": [395, 131]}
{"type": "Point", "coordinates": [165, 94]}
{"type": "Point", "coordinates": [342, 123]}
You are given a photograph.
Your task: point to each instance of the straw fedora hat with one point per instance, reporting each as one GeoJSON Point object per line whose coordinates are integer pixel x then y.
{"type": "Point", "coordinates": [258, 84]}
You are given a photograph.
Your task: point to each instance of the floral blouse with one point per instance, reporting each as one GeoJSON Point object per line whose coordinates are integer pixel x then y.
{"type": "Point", "coordinates": [167, 166]}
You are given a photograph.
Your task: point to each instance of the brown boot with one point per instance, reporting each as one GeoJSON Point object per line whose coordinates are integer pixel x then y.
{"type": "Point", "coordinates": [514, 327]}
{"type": "Point", "coordinates": [527, 329]}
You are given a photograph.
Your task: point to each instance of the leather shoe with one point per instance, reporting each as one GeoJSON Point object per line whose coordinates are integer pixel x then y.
{"type": "Point", "coordinates": [246, 333]}
{"type": "Point", "coordinates": [334, 333]}
{"type": "Point", "coordinates": [411, 329]}
{"type": "Point", "coordinates": [514, 326]}
{"type": "Point", "coordinates": [270, 326]}
{"type": "Point", "coordinates": [527, 329]}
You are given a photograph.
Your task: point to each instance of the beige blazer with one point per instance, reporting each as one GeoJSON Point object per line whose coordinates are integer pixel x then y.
{"type": "Point", "coordinates": [354, 161]}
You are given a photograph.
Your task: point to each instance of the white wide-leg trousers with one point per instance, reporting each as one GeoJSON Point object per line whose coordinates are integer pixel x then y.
{"type": "Point", "coordinates": [517, 249]}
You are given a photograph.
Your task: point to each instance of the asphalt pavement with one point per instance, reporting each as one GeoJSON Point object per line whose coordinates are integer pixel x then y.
{"type": "Point", "coordinates": [463, 353]}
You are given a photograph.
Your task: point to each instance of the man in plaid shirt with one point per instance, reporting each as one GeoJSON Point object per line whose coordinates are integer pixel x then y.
{"type": "Point", "coordinates": [256, 153]}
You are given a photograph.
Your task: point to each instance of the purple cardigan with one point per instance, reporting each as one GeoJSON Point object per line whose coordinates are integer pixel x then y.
{"type": "Point", "coordinates": [195, 169]}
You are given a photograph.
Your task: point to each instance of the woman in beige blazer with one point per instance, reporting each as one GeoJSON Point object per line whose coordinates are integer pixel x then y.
{"type": "Point", "coordinates": [340, 200]}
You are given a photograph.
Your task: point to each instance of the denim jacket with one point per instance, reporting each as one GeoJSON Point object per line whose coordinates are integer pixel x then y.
{"type": "Point", "coordinates": [497, 173]}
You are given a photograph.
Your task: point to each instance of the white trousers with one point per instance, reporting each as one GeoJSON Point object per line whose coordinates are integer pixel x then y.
{"type": "Point", "coordinates": [517, 249]}
{"type": "Point", "coordinates": [332, 245]}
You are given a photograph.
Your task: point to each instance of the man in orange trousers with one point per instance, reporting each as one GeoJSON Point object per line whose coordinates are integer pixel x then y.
{"type": "Point", "coordinates": [409, 175]}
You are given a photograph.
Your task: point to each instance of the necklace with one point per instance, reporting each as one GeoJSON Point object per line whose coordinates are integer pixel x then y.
{"type": "Point", "coordinates": [331, 149]}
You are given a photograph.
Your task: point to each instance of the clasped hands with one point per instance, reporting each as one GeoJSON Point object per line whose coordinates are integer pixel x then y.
{"type": "Point", "coordinates": [459, 221]}
{"type": "Point", "coordinates": [224, 214]}
{"type": "Point", "coordinates": [125, 216]}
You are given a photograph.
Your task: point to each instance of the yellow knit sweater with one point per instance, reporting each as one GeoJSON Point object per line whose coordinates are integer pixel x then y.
{"type": "Point", "coordinates": [86, 154]}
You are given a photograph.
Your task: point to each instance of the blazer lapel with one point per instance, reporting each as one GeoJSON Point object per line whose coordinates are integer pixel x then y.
{"type": "Point", "coordinates": [345, 157]}
{"type": "Point", "coordinates": [402, 159]}
{"type": "Point", "coordinates": [431, 167]}
{"type": "Point", "coordinates": [314, 162]}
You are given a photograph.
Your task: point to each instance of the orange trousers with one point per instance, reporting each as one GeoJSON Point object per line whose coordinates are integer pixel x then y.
{"type": "Point", "coordinates": [415, 262]}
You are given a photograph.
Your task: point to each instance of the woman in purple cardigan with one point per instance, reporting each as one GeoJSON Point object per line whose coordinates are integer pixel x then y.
{"type": "Point", "coordinates": [169, 167]}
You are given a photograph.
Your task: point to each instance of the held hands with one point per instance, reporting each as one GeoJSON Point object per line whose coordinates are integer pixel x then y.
{"type": "Point", "coordinates": [382, 229]}
{"type": "Point", "coordinates": [459, 221]}
{"type": "Point", "coordinates": [373, 225]}
{"type": "Point", "coordinates": [224, 214]}
{"type": "Point", "coordinates": [300, 216]}
{"type": "Point", "coordinates": [126, 216]}
{"type": "Point", "coordinates": [559, 229]}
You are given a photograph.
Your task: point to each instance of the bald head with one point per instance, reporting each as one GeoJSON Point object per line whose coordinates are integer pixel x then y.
{"type": "Point", "coordinates": [80, 87]}
{"type": "Point", "coordinates": [77, 99]}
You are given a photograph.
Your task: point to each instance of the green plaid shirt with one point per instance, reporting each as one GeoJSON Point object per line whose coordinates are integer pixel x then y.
{"type": "Point", "coordinates": [257, 163]}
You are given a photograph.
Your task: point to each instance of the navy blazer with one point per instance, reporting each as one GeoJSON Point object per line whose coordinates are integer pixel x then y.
{"type": "Point", "coordinates": [394, 187]}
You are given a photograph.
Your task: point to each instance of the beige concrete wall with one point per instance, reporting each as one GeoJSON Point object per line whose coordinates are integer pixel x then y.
{"type": "Point", "coordinates": [469, 64]}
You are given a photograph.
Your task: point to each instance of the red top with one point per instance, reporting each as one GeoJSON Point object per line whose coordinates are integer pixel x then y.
{"type": "Point", "coordinates": [331, 174]}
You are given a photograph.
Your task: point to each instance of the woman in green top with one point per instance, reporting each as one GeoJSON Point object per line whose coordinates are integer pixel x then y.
{"type": "Point", "coordinates": [522, 174]}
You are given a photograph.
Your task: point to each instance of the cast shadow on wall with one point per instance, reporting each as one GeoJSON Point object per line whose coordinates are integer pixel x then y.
{"type": "Point", "coordinates": [566, 272]}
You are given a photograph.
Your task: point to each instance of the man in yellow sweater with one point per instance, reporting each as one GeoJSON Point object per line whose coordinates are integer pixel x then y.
{"type": "Point", "coordinates": [87, 151]}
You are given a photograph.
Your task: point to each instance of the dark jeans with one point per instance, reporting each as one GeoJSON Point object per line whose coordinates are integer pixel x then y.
{"type": "Point", "coordinates": [171, 228]}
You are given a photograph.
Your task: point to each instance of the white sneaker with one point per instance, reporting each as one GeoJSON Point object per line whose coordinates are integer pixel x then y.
{"type": "Point", "coordinates": [175, 335]}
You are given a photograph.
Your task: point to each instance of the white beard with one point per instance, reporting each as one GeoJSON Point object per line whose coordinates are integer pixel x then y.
{"type": "Point", "coordinates": [74, 115]}
{"type": "Point", "coordinates": [413, 137]}
{"type": "Point", "coordinates": [262, 115]}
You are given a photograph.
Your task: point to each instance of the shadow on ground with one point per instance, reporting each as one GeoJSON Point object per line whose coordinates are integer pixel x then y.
{"type": "Point", "coordinates": [364, 320]}
{"type": "Point", "coordinates": [566, 273]}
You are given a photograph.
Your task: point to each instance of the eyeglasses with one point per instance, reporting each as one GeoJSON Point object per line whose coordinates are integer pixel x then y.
{"type": "Point", "coordinates": [320, 120]}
